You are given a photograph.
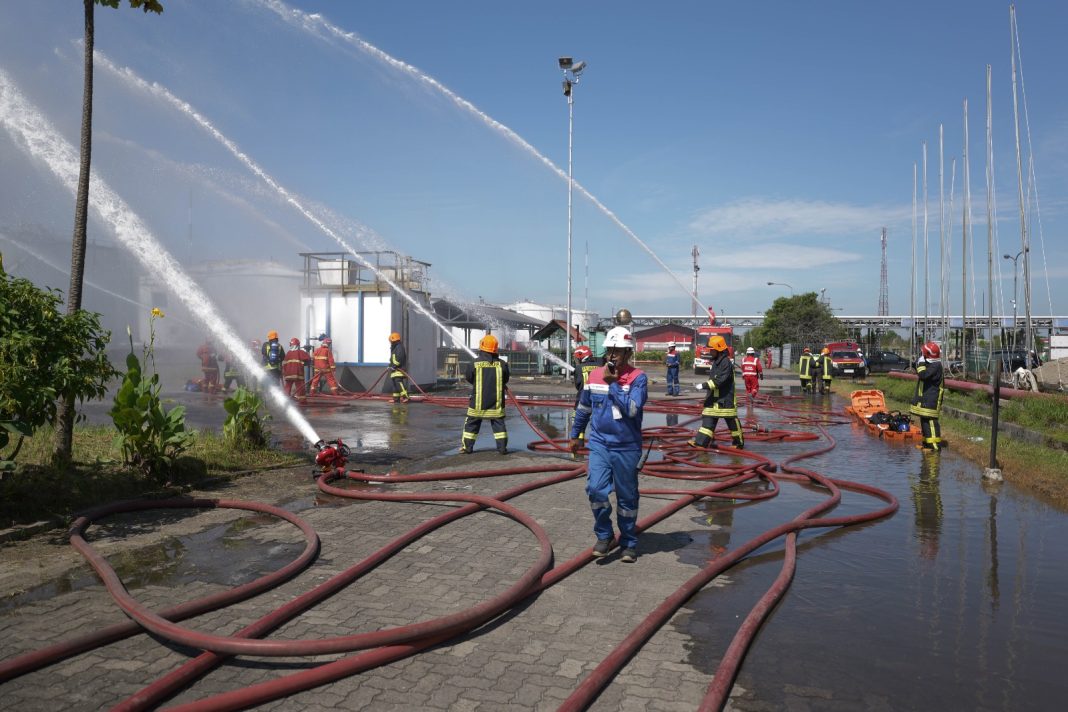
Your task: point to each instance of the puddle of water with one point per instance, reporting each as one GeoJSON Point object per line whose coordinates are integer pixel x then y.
{"type": "Point", "coordinates": [955, 602]}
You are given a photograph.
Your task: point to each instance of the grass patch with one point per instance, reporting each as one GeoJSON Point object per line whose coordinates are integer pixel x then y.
{"type": "Point", "coordinates": [36, 491]}
{"type": "Point", "coordinates": [1040, 469]}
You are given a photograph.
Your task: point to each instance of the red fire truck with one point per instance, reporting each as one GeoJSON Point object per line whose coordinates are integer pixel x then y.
{"type": "Point", "coordinates": [702, 358]}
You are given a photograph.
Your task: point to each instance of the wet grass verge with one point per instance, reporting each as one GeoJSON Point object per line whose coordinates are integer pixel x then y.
{"type": "Point", "coordinates": [36, 491]}
{"type": "Point", "coordinates": [1033, 466]}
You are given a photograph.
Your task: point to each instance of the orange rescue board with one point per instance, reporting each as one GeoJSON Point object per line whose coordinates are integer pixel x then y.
{"type": "Point", "coordinates": [865, 403]}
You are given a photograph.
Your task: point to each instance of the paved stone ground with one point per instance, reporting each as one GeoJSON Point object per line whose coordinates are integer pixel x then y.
{"type": "Point", "coordinates": [530, 659]}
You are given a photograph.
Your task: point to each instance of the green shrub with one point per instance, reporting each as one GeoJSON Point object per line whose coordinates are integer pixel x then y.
{"type": "Point", "coordinates": [152, 437]}
{"type": "Point", "coordinates": [45, 356]}
{"type": "Point", "coordinates": [245, 426]}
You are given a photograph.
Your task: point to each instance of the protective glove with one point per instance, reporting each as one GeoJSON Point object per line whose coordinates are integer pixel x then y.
{"type": "Point", "coordinates": [575, 445]}
{"type": "Point", "coordinates": [761, 376]}
{"type": "Point", "coordinates": [699, 387]}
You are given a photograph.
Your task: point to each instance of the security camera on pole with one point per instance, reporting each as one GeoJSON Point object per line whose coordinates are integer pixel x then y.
{"type": "Point", "coordinates": [571, 70]}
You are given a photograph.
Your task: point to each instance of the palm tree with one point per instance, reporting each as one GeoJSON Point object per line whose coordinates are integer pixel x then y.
{"type": "Point", "coordinates": [65, 414]}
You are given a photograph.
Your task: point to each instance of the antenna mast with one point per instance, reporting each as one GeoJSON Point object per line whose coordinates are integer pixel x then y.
{"type": "Point", "coordinates": [696, 268]}
{"type": "Point", "coordinates": [884, 288]}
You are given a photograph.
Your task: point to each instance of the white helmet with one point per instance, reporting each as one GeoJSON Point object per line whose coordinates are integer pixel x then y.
{"type": "Point", "coordinates": [671, 344]}
{"type": "Point", "coordinates": [618, 338]}
{"type": "Point", "coordinates": [750, 350]}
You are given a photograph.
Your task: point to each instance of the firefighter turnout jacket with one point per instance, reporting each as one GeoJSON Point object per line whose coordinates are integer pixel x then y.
{"type": "Point", "coordinates": [720, 402]}
{"type": "Point", "coordinates": [489, 375]}
{"type": "Point", "coordinates": [293, 365]}
{"type": "Point", "coordinates": [398, 360]}
{"type": "Point", "coordinates": [804, 367]}
{"type": "Point", "coordinates": [927, 400]}
{"type": "Point", "coordinates": [323, 359]}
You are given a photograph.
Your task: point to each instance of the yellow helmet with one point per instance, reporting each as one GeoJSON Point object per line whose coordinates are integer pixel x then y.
{"type": "Point", "coordinates": [394, 337]}
{"type": "Point", "coordinates": [717, 343]}
{"type": "Point", "coordinates": [488, 344]}
{"type": "Point", "coordinates": [272, 335]}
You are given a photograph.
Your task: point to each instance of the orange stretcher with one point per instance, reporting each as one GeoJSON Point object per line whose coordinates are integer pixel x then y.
{"type": "Point", "coordinates": [864, 404]}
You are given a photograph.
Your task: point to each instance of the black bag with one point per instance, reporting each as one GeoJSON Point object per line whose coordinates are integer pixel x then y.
{"type": "Point", "coordinates": [900, 422]}
{"type": "Point", "coordinates": [879, 418]}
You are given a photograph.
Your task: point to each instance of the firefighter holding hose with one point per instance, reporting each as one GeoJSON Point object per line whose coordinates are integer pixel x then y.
{"type": "Point", "coordinates": [323, 366]}
{"type": "Point", "coordinates": [293, 369]}
{"type": "Point", "coordinates": [611, 403]}
{"type": "Point", "coordinates": [720, 401]}
{"type": "Point", "coordinates": [489, 376]}
{"type": "Point", "coordinates": [927, 401]}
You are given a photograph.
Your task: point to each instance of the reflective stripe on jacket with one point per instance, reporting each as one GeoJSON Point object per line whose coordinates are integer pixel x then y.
{"type": "Point", "coordinates": [720, 400]}
{"type": "Point", "coordinates": [488, 374]}
{"type": "Point", "coordinates": [804, 366]}
{"type": "Point", "coordinates": [613, 410]}
{"type": "Point", "coordinates": [927, 400]}
{"type": "Point", "coordinates": [323, 359]}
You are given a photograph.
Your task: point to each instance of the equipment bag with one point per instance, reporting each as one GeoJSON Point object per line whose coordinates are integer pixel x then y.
{"type": "Point", "coordinates": [880, 418]}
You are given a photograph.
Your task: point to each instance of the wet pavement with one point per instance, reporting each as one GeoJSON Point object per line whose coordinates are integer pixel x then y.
{"type": "Point", "coordinates": [954, 602]}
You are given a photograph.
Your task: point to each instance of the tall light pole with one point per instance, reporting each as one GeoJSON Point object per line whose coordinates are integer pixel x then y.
{"type": "Point", "coordinates": [571, 70]}
{"type": "Point", "coordinates": [782, 284]}
{"type": "Point", "coordinates": [1015, 272]}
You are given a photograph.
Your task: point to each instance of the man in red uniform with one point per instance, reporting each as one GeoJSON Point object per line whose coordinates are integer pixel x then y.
{"type": "Point", "coordinates": [323, 365]}
{"type": "Point", "coordinates": [293, 369]}
{"type": "Point", "coordinates": [752, 372]}
{"type": "Point", "coordinates": [209, 366]}
{"type": "Point", "coordinates": [767, 358]}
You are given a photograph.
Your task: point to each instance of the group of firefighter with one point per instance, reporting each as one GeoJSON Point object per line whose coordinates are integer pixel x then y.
{"type": "Point", "coordinates": [289, 368]}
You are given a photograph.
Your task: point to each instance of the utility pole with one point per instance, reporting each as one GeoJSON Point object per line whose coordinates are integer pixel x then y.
{"type": "Point", "coordinates": [696, 268]}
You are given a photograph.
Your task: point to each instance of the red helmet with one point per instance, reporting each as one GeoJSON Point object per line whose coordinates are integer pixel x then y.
{"type": "Point", "coordinates": [931, 350]}
{"type": "Point", "coordinates": [294, 341]}
{"type": "Point", "coordinates": [327, 341]}
{"type": "Point", "coordinates": [583, 352]}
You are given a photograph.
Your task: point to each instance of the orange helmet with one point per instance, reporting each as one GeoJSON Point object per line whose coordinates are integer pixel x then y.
{"type": "Point", "coordinates": [931, 350]}
{"type": "Point", "coordinates": [488, 344]}
{"type": "Point", "coordinates": [272, 335]}
{"type": "Point", "coordinates": [717, 343]}
{"type": "Point", "coordinates": [825, 351]}
{"type": "Point", "coordinates": [394, 337]}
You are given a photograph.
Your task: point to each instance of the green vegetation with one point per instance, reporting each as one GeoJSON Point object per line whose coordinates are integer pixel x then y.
{"type": "Point", "coordinates": [152, 437]}
{"type": "Point", "coordinates": [36, 490]}
{"type": "Point", "coordinates": [685, 358]}
{"type": "Point", "coordinates": [801, 319]}
{"type": "Point", "coordinates": [44, 356]}
{"type": "Point", "coordinates": [246, 426]}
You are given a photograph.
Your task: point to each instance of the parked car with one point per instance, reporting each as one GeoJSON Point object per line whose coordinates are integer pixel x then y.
{"type": "Point", "coordinates": [848, 363]}
{"type": "Point", "coordinates": [886, 361]}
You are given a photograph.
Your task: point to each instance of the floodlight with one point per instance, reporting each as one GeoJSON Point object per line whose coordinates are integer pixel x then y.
{"type": "Point", "coordinates": [565, 63]}
{"type": "Point", "coordinates": [578, 67]}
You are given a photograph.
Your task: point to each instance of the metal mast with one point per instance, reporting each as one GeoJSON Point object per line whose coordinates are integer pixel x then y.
{"type": "Point", "coordinates": [1025, 243]}
{"type": "Point", "coordinates": [696, 268]}
{"type": "Point", "coordinates": [964, 250]}
{"type": "Point", "coordinates": [884, 289]}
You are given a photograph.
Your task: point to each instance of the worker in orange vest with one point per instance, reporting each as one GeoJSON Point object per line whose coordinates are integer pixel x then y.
{"type": "Point", "coordinates": [323, 365]}
{"type": "Point", "coordinates": [752, 372]}
{"type": "Point", "coordinates": [293, 369]}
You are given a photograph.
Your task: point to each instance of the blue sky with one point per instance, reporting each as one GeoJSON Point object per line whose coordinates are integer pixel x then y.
{"type": "Point", "coordinates": [777, 136]}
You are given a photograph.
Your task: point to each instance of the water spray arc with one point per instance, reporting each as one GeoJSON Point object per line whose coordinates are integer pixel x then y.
{"type": "Point", "coordinates": [155, 89]}
{"type": "Point", "coordinates": [317, 26]}
{"type": "Point", "coordinates": [33, 133]}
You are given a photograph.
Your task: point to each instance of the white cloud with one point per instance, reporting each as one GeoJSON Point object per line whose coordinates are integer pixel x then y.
{"type": "Point", "coordinates": [760, 218]}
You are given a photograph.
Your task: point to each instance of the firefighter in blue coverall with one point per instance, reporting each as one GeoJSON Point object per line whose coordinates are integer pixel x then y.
{"type": "Point", "coordinates": [672, 363]}
{"type": "Point", "coordinates": [720, 401]}
{"type": "Point", "coordinates": [611, 403]}
{"type": "Point", "coordinates": [927, 401]}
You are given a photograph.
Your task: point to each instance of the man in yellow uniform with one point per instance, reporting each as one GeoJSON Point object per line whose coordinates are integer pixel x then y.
{"type": "Point", "coordinates": [804, 370]}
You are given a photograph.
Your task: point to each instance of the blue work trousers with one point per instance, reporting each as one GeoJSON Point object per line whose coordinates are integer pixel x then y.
{"type": "Point", "coordinates": [617, 470]}
{"type": "Point", "coordinates": [673, 381]}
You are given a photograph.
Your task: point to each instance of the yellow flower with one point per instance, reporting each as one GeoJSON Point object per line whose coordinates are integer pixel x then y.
{"type": "Point", "coordinates": [157, 312]}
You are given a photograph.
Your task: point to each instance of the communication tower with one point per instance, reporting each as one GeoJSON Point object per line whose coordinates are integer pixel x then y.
{"type": "Point", "coordinates": [884, 292]}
